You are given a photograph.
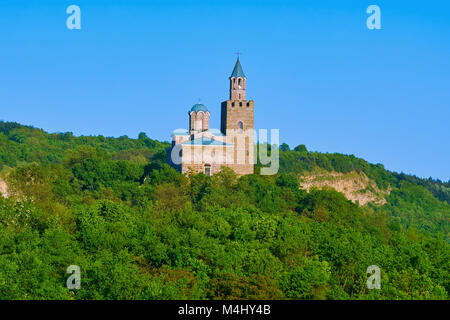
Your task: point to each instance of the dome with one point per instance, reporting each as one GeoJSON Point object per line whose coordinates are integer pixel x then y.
{"type": "Point", "coordinates": [199, 107]}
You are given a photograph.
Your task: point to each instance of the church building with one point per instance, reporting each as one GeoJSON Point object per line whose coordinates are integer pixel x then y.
{"type": "Point", "coordinates": [202, 149]}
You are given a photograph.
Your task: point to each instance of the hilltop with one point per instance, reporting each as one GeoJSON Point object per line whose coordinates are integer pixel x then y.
{"type": "Point", "coordinates": [114, 207]}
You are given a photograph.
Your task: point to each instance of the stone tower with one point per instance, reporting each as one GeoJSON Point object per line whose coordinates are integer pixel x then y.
{"type": "Point", "coordinates": [237, 122]}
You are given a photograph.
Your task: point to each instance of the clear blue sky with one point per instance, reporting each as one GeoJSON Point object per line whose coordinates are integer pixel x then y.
{"type": "Point", "coordinates": [314, 70]}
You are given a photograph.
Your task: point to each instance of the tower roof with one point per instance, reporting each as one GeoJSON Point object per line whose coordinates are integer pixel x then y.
{"type": "Point", "coordinates": [199, 107]}
{"type": "Point", "coordinates": [237, 71]}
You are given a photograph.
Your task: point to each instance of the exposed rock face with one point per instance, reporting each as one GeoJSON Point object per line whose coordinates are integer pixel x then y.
{"type": "Point", "coordinates": [355, 186]}
{"type": "Point", "coordinates": [3, 188]}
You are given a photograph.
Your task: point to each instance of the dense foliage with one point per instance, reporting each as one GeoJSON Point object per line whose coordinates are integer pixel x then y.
{"type": "Point", "coordinates": [422, 204]}
{"type": "Point", "coordinates": [24, 144]}
{"type": "Point", "coordinates": [140, 230]}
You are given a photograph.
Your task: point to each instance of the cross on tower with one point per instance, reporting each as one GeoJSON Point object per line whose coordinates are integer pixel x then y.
{"type": "Point", "coordinates": [238, 53]}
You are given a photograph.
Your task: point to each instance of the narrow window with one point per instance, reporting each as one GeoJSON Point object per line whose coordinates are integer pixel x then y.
{"type": "Point", "coordinates": [199, 122]}
{"type": "Point", "coordinates": [240, 126]}
{"type": "Point", "coordinates": [240, 84]}
{"type": "Point", "coordinates": [207, 169]}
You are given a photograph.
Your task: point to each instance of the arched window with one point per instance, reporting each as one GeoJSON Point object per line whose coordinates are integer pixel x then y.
{"type": "Point", "coordinates": [240, 83]}
{"type": "Point", "coordinates": [199, 121]}
{"type": "Point", "coordinates": [240, 126]}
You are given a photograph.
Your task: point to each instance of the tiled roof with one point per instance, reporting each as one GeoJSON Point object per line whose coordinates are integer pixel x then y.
{"type": "Point", "coordinates": [237, 71]}
{"type": "Point", "coordinates": [204, 141]}
{"type": "Point", "coordinates": [199, 107]}
{"type": "Point", "coordinates": [180, 132]}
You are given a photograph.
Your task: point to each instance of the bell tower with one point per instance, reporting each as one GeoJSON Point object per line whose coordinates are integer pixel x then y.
{"type": "Point", "coordinates": [237, 122]}
{"type": "Point", "coordinates": [237, 83]}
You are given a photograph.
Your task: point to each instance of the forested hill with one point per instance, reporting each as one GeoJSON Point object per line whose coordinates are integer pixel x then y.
{"type": "Point", "coordinates": [420, 203]}
{"type": "Point", "coordinates": [140, 230]}
{"type": "Point", "coordinates": [23, 144]}
{"type": "Point", "coordinates": [299, 160]}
